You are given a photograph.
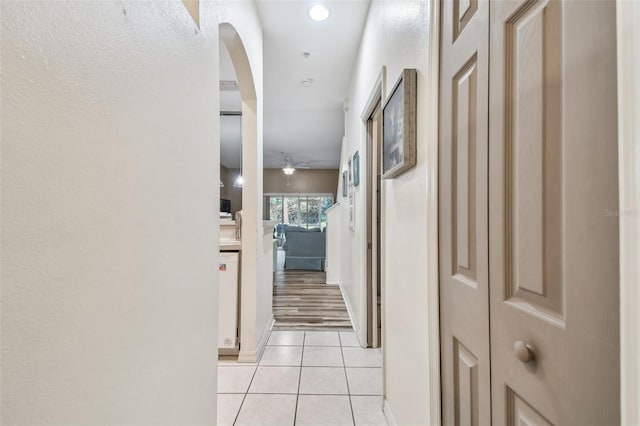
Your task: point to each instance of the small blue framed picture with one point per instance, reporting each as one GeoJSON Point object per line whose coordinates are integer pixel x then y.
{"type": "Point", "coordinates": [356, 168]}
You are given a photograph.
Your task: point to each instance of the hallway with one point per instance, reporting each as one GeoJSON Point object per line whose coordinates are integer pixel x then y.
{"type": "Point", "coordinates": [304, 378]}
{"type": "Point", "coordinates": [485, 166]}
{"type": "Point", "coordinates": [302, 300]}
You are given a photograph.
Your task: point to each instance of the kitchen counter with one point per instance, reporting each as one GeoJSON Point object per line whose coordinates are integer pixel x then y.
{"type": "Point", "coordinates": [230, 245]}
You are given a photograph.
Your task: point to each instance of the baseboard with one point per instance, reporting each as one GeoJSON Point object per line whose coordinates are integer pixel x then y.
{"type": "Point", "coordinates": [262, 343]}
{"type": "Point", "coordinates": [348, 305]}
{"type": "Point", "coordinates": [254, 356]}
{"type": "Point", "coordinates": [336, 282]}
{"type": "Point", "coordinates": [386, 409]}
{"type": "Point", "coordinates": [247, 356]}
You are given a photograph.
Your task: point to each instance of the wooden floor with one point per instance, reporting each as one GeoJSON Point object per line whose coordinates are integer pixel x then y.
{"type": "Point", "coordinates": [302, 300]}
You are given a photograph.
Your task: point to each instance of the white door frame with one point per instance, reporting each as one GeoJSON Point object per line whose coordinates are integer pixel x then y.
{"type": "Point", "coordinates": [628, 37]}
{"type": "Point", "coordinates": [376, 97]}
{"type": "Point", "coordinates": [432, 78]}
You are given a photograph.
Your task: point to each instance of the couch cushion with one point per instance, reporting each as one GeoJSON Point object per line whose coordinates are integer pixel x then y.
{"type": "Point", "coordinates": [295, 229]}
{"type": "Point", "coordinates": [309, 263]}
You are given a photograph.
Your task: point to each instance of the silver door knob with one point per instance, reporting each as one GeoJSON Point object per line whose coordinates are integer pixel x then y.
{"type": "Point", "coordinates": [523, 351]}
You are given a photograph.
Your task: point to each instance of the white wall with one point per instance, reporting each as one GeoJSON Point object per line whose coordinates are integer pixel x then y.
{"type": "Point", "coordinates": [264, 290]}
{"type": "Point", "coordinates": [333, 260]}
{"type": "Point", "coordinates": [109, 199]}
{"type": "Point", "coordinates": [397, 35]}
{"type": "Point", "coordinates": [628, 22]}
{"type": "Point", "coordinates": [243, 16]}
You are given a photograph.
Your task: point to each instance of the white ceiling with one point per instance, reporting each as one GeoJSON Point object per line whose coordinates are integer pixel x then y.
{"type": "Point", "coordinates": [306, 123]}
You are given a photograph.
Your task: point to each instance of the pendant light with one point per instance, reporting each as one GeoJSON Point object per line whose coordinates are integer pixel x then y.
{"type": "Point", "coordinates": [239, 182]}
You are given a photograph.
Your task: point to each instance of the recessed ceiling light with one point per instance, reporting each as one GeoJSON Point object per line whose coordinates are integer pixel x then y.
{"type": "Point", "coordinates": [319, 12]}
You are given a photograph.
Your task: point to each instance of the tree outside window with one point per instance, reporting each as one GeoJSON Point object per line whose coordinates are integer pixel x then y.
{"type": "Point", "coordinates": [307, 211]}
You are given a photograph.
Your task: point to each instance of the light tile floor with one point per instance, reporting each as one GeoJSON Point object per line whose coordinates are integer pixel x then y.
{"type": "Point", "coordinates": [320, 378]}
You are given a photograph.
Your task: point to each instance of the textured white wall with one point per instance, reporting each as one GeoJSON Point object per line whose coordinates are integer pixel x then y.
{"type": "Point", "coordinates": [396, 35]}
{"type": "Point", "coordinates": [109, 199]}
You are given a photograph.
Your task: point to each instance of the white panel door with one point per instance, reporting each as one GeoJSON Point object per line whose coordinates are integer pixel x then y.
{"type": "Point", "coordinates": [553, 250]}
{"type": "Point", "coordinates": [463, 239]}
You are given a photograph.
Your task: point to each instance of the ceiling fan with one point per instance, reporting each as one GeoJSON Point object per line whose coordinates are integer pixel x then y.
{"type": "Point", "coordinates": [289, 166]}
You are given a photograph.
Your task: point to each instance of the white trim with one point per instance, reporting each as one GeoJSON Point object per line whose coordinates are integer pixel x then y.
{"type": "Point", "coordinates": [379, 87]}
{"type": "Point", "coordinates": [349, 311]}
{"type": "Point", "coordinates": [247, 356]}
{"type": "Point", "coordinates": [335, 204]}
{"type": "Point", "coordinates": [262, 343]}
{"type": "Point", "coordinates": [388, 414]}
{"type": "Point", "coordinates": [628, 37]}
{"type": "Point", "coordinates": [254, 355]}
{"type": "Point", "coordinates": [433, 301]}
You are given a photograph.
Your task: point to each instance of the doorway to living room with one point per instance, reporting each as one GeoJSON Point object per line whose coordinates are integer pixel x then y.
{"type": "Point", "coordinates": [302, 299]}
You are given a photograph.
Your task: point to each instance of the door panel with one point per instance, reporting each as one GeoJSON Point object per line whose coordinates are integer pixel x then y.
{"type": "Point", "coordinates": [552, 250]}
{"type": "Point", "coordinates": [463, 239]}
{"type": "Point", "coordinates": [522, 414]}
{"type": "Point", "coordinates": [466, 387]}
{"type": "Point", "coordinates": [533, 154]}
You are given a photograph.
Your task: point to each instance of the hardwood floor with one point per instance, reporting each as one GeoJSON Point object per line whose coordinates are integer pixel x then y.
{"type": "Point", "coordinates": [302, 300]}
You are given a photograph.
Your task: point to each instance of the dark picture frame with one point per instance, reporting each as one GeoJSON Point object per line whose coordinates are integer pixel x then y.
{"type": "Point", "coordinates": [345, 183]}
{"type": "Point", "coordinates": [356, 168]}
{"type": "Point", "coordinates": [399, 126]}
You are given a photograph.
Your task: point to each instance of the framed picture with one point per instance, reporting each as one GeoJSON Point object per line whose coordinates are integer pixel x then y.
{"type": "Point", "coordinates": [345, 183]}
{"type": "Point", "coordinates": [350, 169]}
{"type": "Point", "coordinates": [399, 127]}
{"type": "Point", "coordinates": [356, 169]}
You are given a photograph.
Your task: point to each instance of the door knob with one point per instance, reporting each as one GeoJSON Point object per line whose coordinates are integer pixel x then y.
{"type": "Point", "coordinates": [523, 351]}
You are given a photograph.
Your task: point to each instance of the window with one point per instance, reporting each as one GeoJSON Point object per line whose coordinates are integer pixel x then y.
{"type": "Point", "coordinates": [307, 211]}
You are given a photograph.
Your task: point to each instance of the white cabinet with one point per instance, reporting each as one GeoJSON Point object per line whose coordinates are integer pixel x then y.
{"type": "Point", "coordinates": [229, 272]}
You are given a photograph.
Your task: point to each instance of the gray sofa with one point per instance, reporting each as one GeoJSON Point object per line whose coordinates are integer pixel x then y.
{"type": "Point", "coordinates": [304, 248]}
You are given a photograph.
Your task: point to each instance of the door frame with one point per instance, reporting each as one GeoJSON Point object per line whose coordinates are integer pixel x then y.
{"type": "Point", "coordinates": [376, 97]}
{"type": "Point", "coordinates": [432, 119]}
{"type": "Point", "coordinates": [373, 258]}
{"type": "Point", "coordinates": [628, 40]}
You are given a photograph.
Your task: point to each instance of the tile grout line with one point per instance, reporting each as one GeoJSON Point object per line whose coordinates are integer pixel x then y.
{"type": "Point", "coordinates": [235, 420]}
{"type": "Point", "coordinates": [299, 385]}
{"type": "Point", "coordinates": [346, 378]}
{"type": "Point", "coordinates": [295, 412]}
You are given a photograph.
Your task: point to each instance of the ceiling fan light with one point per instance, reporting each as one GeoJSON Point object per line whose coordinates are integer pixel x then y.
{"type": "Point", "coordinates": [288, 170]}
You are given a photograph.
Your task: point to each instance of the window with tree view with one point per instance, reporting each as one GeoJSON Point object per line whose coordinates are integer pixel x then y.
{"type": "Point", "coordinates": [307, 211]}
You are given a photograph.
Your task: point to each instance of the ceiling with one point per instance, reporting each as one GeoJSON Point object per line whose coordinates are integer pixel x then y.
{"type": "Point", "coordinates": [306, 123]}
